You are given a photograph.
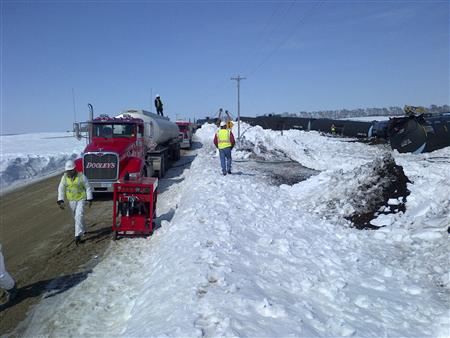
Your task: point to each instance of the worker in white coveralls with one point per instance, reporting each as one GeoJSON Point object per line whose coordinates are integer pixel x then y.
{"type": "Point", "coordinates": [76, 188]}
{"type": "Point", "coordinates": [7, 283]}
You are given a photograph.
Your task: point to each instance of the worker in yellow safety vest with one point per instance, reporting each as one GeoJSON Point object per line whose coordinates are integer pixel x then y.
{"type": "Point", "coordinates": [76, 188]}
{"type": "Point", "coordinates": [224, 141]}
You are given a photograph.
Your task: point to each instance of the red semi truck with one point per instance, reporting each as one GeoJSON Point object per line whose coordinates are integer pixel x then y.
{"type": "Point", "coordinates": [136, 143]}
{"type": "Point", "coordinates": [186, 132]}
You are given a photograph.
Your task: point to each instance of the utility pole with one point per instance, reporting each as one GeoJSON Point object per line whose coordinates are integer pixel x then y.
{"type": "Point", "coordinates": [238, 80]}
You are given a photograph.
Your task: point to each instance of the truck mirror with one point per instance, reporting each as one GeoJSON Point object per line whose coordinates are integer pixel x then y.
{"type": "Point", "coordinates": [76, 130]}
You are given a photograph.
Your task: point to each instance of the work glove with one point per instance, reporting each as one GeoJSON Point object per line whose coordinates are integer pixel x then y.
{"type": "Point", "coordinates": [61, 204]}
{"type": "Point", "coordinates": [89, 203]}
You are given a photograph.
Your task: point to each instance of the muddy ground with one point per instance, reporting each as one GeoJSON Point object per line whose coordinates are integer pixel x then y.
{"type": "Point", "coordinates": [38, 244]}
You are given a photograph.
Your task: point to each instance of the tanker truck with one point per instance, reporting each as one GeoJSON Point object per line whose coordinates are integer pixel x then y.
{"type": "Point", "coordinates": [133, 144]}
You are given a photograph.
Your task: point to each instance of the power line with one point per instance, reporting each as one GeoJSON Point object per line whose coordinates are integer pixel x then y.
{"type": "Point", "coordinates": [269, 28]}
{"type": "Point", "coordinates": [283, 41]}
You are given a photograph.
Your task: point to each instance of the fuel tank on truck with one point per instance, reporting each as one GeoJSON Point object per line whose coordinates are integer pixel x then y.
{"type": "Point", "coordinates": [157, 128]}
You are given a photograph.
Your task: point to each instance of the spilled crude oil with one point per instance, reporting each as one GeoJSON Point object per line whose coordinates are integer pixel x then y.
{"type": "Point", "coordinates": [278, 172]}
{"type": "Point", "coordinates": [386, 181]}
{"type": "Point", "coordinates": [390, 182]}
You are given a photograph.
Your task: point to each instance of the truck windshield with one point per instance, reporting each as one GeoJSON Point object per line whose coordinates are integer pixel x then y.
{"type": "Point", "coordinates": [114, 130]}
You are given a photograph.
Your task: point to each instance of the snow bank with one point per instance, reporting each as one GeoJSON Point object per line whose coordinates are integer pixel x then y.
{"type": "Point", "coordinates": [28, 157]}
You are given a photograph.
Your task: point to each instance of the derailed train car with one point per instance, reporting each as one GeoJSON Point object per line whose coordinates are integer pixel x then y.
{"type": "Point", "coordinates": [277, 122]}
{"type": "Point", "coordinates": [342, 127]}
{"type": "Point", "coordinates": [416, 134]}
{"type": "Point", "coordinates": [419, 134]}
{"type": "Point", "coordinates": [359, 129]}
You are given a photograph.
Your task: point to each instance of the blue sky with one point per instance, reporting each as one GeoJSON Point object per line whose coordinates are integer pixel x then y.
{"type": "Point", "coordinates": [295, 55]}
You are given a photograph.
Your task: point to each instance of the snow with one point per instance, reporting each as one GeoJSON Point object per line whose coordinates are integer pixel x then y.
{"type": "Point", "coordinates": [26, 158]}
{"type": "Point", "coordinates": [238, 256]}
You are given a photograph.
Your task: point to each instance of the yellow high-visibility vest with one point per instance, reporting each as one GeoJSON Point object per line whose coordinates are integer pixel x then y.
{"type": "Point", "coordinates": [223, 138]}
{"type": "Point", "coordinates": [75, 189]}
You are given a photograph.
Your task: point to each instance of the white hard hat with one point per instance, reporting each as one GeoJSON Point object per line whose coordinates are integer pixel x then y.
{"type": "Point", "coordinates": [223, 123]}
{"type": "Point", "coordinates": [157, 95]}
{"type": "Point", "coordinates": [70, 165]}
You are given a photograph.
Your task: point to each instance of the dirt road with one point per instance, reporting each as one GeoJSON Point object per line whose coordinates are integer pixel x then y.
{"type": "Point", "coordinates": [37, 239]}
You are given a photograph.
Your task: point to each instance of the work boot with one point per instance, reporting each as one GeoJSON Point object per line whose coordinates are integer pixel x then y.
{"type": "Point", "coordinates": [229, 171]}
{"type": "Point", "coordinates": [224, 173]}
{"type": "Point", "coordinates": [78, 240]}
{"type": "Point", "coordinates": [12, 293]}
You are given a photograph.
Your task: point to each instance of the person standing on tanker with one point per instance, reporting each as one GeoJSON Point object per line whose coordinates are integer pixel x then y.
{"type": "Point", "coordinates": [159, 105]}
{"type": "Point", "coordinates": [224, 141]}
{"type": "Point", "coordinates": [7, 283]}
{"type": "Point", "coordinates": [76, 188]}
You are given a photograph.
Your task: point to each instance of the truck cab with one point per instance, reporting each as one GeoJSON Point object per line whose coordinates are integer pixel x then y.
{"type": "Point", "coordinates": [186, 132]}
{"type": "Point", "coordinates": [115, 150]}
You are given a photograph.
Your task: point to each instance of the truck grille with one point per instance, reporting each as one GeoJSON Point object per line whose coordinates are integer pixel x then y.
{"type": "Point", "coordinates": [101, 166]}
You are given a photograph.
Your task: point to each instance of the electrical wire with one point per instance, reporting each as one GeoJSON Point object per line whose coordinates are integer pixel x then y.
{"type": "Point", "coordinates": [262, 36]}
{"type": "Point", "coordinates": [288, 36]}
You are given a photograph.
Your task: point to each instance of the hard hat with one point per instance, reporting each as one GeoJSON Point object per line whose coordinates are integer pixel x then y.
{"type": "Point", "coordinates": [223, 123]}
{"type": "Point", "coordinates": [157, 95]}
{"type": "Point", "coordinates": [70, 165]}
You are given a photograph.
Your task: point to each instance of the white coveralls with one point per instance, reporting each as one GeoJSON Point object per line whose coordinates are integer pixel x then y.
{"type": "Point", "coordinates": [77, 206]}
{"type": "Point", "coordinates": [6, 281]}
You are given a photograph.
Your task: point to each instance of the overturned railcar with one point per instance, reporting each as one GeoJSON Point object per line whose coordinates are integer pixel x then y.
{"type": "Point", "coordinates": [298, 123]}
{"type": "Point", "coordinates": [359, 129]}
{"type": "Point", "coordinates": [419, 134]}
{"type": "Point", "coordinates": [324, 125]}
{"type": "Point", "coordinates": [341, 127]}
{"type": "Point", "coordinates": [273, 122]}
{"type": "Point", "coordinates": [276, 122]}
{"type": "Point", "coordinates": [415, 134]}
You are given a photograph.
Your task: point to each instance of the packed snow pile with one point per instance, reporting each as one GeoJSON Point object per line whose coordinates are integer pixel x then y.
{"type": "Point", "coordinates": [236, 256]}
{"type": "Point", "coordinates": [28, 157]}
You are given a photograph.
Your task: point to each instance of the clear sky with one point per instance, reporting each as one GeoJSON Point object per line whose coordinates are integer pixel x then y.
{"type": "Point", "coordinates": [58, 56]}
